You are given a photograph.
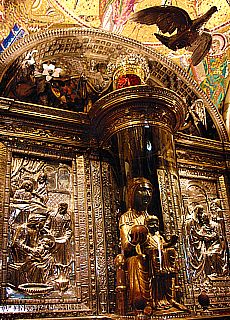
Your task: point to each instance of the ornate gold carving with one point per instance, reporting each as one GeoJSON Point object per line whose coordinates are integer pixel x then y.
{"type": "Point", "coordinates": [11, 126]}
{"type": "Point", "coordinates": [40, 112]}
{"type": "Point", "coordinates": [199, 159]}
{"type": "Point", "coordinates": [111, 213]}
{"type": "Point", "coordinates": [4, 199]}
{"type": "Point", "coordinates": [135, 106]}
{"type": "Point", "coordinates": [3, 165]}
{"type": "Point", "coordinates": [40, 227]}
{"type": "Point", "coordinates": [35, 289]}
{"type": "Point", "coordinates": [165, 194]}
{"type": "Point", "coordinates": [100, 244]}
{"type": "Point", "coordinates": [222, 189]}
{"type": "Point", "coordinates": [204, 233]}
{"type": "Point", "coordinates": [201, 143]}
{"type": "Point", "coordinates": [85, 268]}
{"type": "Point", "coordinates": [133, 64]}
{"type": "Point", "coordinates": [58, 134]}
{"type": "Point", "coordinates": [41, 136]}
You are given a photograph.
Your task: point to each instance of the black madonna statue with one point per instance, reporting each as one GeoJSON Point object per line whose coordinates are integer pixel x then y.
{"type": "Point", "coordinates": [150, 260]}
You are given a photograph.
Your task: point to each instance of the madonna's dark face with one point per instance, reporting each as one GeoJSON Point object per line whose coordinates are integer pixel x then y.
{"type": "Point", "coordinates": [142, 196]}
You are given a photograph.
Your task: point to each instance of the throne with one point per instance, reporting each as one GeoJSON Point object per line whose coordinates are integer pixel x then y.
{"type": "Point", "coordinates": [163, 282]}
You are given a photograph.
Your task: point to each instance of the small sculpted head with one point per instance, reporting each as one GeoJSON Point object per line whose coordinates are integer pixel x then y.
{"type": "Point", "coordinates": [62, 207]}
{"type": "Point", "coordinates": [198, 212]}
{"type": "Point", "coordinates": [152, 223]}
{"type": "Point", "coordinates": [27, 185]}
{"type": "Point", "coordinates": [36, 220]}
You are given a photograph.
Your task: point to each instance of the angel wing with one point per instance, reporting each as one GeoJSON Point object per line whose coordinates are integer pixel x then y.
{"type": "Point", "coordinates": [167, 18]}
{"type": "Point", "coordinates": [200, 47]}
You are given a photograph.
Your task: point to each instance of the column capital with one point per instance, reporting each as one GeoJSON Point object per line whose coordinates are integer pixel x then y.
{"type": "Point", "coordinates": [140, 105]}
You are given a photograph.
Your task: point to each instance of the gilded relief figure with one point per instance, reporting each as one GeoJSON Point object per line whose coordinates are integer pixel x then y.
{"type": "Point", "coordinates": [215, 64]}
{"type": "Point", "coordinates": [215, 247]}
{"type": "Point", "coordinates": [162, 257]}
{"type": "Point", "coordinates": [30, 197]}
{"type": "Point", "coordinates": [21, 202]}
{"type": "Point", "coordinates": [58, 225]}
{"type": "Point", "coordinates": [39, 263]}
{"type": "Point", "coordinates": [150, 260]}
{"type": "Point", "coordinates": [41, 245]}
{"type": "Point", "coordinates": [207, 247]}
{"type": "Point", "coordinates": [41, 190]}
{"type": "Point", "coordinates": [39, 237]}
{"type": "Point", "coordinates": [27, 236]}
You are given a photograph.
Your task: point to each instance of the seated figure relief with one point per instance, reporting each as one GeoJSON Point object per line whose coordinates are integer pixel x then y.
{"type": "Point", "coordinates": [39, 263]}
{"type": "Point", "coordinates": [26, 237]}
{"type": "Point", "coordinates": [207, 245]}
{"type": "Point", "coordinates": [149, 259]}
{"type": "Point", "coordinates": [41, 246]}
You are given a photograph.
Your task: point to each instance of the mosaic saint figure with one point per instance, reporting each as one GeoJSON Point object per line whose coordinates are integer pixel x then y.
{"type": "Point", "coordinates": [115, 13]}
{"type": "Point", "coordinates": [216, 72]}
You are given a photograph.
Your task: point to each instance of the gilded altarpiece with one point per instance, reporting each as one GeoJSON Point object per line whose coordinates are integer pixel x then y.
{"type": "Point", "coordinates": [63, 187]}
{"type": "Point", "coordinates": [205, 225]}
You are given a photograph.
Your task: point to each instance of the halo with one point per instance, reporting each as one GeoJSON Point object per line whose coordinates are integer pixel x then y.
{"type": "Point", "coordinates": [222, 40]}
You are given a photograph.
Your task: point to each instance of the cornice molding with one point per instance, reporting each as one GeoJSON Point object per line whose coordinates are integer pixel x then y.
{"type": "Point", "coordinates": [137, 106]}
{"type": "Point", "coordinates": [203, 144]}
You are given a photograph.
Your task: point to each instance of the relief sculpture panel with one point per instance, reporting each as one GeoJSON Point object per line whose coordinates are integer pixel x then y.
{"type": "Point", "coordinates": [41, 247]}
{"type": "Point", "coordinates": [204, 236]}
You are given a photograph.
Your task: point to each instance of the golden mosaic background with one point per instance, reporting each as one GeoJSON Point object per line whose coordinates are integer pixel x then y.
{"type": "Point", "coordinates": [42, 14]}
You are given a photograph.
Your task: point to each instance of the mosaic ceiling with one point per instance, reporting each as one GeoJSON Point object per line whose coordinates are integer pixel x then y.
{"type": "Point", "coordinates": [111, 15]}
